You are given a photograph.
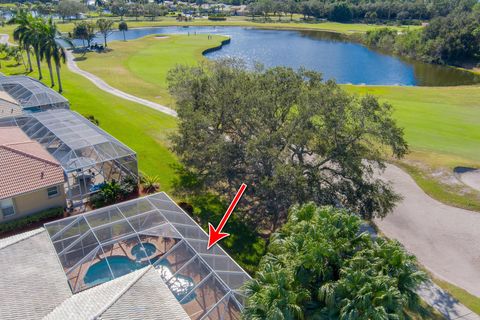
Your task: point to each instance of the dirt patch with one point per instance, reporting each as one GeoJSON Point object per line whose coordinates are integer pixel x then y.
{"type": "Point", "coordinates": [469, 176]}
{"type": "Point", "coordinates": [161, 37]}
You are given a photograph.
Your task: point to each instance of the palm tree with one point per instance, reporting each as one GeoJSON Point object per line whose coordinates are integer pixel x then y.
{"type": "Point", "coordinates": [34, 36]}
{"type": "Point", "coordinates": [51, 49]}
{"type": "Point", "coordinates": [45, 50]}
{"type": "Point", "coordinates": [22, 31]}
{"type": "Point", "coordinates": [59, 57]}
{"type": "Point", "coordinates": [320, 266]}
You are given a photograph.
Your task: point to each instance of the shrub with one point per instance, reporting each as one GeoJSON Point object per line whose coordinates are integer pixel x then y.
{"type": "Point", "coordinates": [150, 183]}
{"type": "Point", "coordinates": [29, 220]}
{"type": "Point", "coordinates": [113, 192]}
{"type": "Point", "coordinates": [129, 185]}
{"type": "Point", "coordinates": [92, 119]}
{"type": "Point", "coordinates": [214, 18]}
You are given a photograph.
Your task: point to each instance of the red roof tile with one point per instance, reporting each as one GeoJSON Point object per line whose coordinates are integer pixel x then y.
{"type": "Point", "coordinates": [24, 165]}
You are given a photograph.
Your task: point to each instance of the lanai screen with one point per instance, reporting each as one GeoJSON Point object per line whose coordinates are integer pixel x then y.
{"type": "Point", "coordinates": [108, 243]}
{"type": "Point", "coordinates": [31, 94]}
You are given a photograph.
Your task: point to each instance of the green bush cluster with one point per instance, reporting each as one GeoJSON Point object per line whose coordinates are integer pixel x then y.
{"type": "Point", "coordinates": [217, 18]}
{"type": "Point", "coordinates": [113, 192]}
{"type": "Point", "coordinates": [29, 220]}
{"type": "Point", "coordinates": [321, 265]}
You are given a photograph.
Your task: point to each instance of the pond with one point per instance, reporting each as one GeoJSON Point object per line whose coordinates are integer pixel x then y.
{"type": "Point", "coordinates": [325, 52]}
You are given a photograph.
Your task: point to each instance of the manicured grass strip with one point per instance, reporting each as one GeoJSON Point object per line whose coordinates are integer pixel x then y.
{"type": "Point", "coordinates": [470, 301]}
{"type": "Point", "coordinates": [140, 66]}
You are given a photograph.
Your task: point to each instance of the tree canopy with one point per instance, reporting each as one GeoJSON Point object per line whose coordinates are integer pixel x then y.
{"type": "Point", "coordinates": [287, 134]}
{"type": "Point", "coordinates": [453, 39]}
{"type": "Point", "coordinates": [320, 266]}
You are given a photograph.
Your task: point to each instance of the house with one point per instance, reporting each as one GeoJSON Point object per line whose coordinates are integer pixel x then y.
{"type": "Point", "coordinates": [141, 259]}
{"type": "Point", "coordinates": [31, 180]}
{"type": "Point", "coordinates": [21, 94]}
{"type": "Point", "coordinates": [88, 155]}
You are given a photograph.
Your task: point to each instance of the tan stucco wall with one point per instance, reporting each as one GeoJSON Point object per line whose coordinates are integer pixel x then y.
{"type": "Point", "coordinates": [34, 202]}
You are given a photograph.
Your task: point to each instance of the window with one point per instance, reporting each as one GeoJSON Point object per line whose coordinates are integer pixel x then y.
{"type": "Point", "coordinates": [7, 207]}
{"type": "Point", "coordinates": [52, 192]}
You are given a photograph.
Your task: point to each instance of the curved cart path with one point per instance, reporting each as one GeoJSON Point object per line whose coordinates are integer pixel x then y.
{"type": "Point", "coordinates": [442, 237]}
{"type": "Point", "coordinates": [72, 65]}
{"type": "Point", "coordinates": [445, 239]}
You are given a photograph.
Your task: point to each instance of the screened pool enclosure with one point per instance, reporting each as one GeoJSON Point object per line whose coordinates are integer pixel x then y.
{"type": "Point", "coordinates": [22, 94]}
{"type": "Point", "coordinates": [108, 243]}
{"type": "Point", "coordinates": [88, 155]}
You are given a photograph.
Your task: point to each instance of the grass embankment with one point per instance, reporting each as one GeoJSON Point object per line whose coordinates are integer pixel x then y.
{"type": "Point", "coordinates": [140, 66]}
{"type": "Point", "coordinates": [141, 128]}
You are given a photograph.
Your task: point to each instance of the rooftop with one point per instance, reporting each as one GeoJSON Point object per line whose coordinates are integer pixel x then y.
{"type": "Point", "coordinates": [25, 165]}
{"type": "Point", "coordinates": [35, 288]}
{"type": "Point", "coordinates": [117, 263]}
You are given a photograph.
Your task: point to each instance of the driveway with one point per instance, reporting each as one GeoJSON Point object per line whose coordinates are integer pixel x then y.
{"type": "Point", "coordinates": [445, 239]}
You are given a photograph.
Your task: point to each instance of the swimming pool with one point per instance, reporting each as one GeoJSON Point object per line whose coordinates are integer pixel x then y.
{"type": "Point", "coordinates": [99, 272]}
{"type": "Point", "coordinates": [143, 250]}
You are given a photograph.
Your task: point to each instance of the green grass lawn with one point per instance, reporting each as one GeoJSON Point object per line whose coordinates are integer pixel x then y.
{"type": "Point", "coordinates": [141, 128]}
{"type": "Point", "coordinates": [443, 120]}
{"type": "Point", "coordinates": [140, 66]}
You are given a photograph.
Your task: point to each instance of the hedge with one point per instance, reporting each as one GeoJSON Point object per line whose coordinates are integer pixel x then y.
{"type": "Point", "coordinates": [217, 18]}
{"type": "Point", "coordinates": [28, 220]}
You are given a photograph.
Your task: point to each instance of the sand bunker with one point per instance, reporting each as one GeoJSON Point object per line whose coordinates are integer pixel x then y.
{"type": "Point", "coordinates": [469, 176]}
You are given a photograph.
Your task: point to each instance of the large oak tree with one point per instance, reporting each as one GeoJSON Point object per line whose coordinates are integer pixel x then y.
{"type": "Point", "coordinates": [288, 135]}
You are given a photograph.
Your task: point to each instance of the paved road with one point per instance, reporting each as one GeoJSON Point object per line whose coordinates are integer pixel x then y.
{"type": "Point", "coordinates": [106, 87]}
{"type": "Point", "coordinates": [445, 239]}
{"type": "Point", "coordinates": [440, 236]}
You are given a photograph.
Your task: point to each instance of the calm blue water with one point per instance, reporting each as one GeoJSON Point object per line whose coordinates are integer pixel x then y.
{"type": "Point", "coordinates": [141, 252]}
{"type": "Point", "coordinates": [99, 272]}
{"type": "Point", "coordinates": [328, 53]}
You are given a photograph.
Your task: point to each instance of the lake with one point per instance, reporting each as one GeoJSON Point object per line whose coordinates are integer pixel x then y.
{"type": "Point", "coordinates": [345, 62]}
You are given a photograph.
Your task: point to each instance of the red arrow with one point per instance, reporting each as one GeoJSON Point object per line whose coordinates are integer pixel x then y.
{"type": "Point", "coordinates": [215, 235]}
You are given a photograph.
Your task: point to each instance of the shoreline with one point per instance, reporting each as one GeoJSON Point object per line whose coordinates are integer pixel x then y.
{"type": "Point", "coordinates": [475, 71]}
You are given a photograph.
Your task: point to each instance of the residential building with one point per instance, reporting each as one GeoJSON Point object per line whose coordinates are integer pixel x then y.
{"type": "Point", "coordinates": [88, 155]}
{"type": "Point", "coordinates": [31, 180]}
{"type": "Point", "coordinates": [141, 259]}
